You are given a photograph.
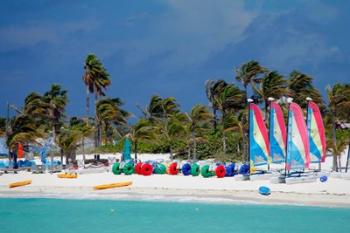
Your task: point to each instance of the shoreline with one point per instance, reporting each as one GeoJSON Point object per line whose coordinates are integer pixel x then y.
{"type": "Point", "coordinates": [238, 197]}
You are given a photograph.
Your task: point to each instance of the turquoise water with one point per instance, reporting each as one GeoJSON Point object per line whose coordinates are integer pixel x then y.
{"type": "Point", "coordinates": [102, 216]}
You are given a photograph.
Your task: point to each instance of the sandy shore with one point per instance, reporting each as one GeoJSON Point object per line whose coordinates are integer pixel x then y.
{"type": "Point", "coordinates": [333, 193]}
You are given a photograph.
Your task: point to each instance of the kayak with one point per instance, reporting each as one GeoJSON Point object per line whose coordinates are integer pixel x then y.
{"type": "Point", "coordinates": [21, 183]}
{"type": "Point", "coordinates": [68, 175]}
{"type": "Point", "coordinates": [113, 185]}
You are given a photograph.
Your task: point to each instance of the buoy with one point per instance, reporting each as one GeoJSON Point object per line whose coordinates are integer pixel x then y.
{"type": "Point", "coordinates": [68, 175]}
{"type": "Point", "coordinates": [159, 168]}
{"type": "Point", "coordinates": [128, 169]}
{"type": "Point", "coordinates": [263, 190]}
{"type": "Point", "coordinates": [186, 169]}
{"type": "Point", "coordinates": [138, 168]}
{"type": "Point", "coordinates": [323, 178]}
{"type": "Point", "coordinates": [146, 169]}
{"type": "Point", "coordinates": [172, 170]}
{"type": "Point", "coordinates": [116, 169]}
{"type": "Point", "coordinates": [195, 170]}
{"type": "Point", "coordinates": [20, 183]}
{"type": "Point", "coordinates": [113, 185]}
{"type": "Point", "coordinates": [230, 169]}
{"type": "Point", "coordinates": [244, 169]}
{"type": "Point", "coordinates": [205, 171]}
{"type": "Point", "coordinates": [220, 171]}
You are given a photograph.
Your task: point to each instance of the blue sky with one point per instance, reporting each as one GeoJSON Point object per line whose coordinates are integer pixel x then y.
{"type": "Point", "coordinates": [166, 47]}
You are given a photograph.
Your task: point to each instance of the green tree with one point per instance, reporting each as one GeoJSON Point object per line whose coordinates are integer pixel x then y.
{"type": "Point", "coordinates": [109, 113]}
{"type": "Point", "coordinates": [198, 126]}
{"type": "Point", "coordinates": [272, 85]}
{"type": "Point", "coordinates": [300, 87]}
{"type": "Point", "coordinates": [250, 74]}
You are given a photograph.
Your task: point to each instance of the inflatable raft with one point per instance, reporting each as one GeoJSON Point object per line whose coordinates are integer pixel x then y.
{"type": "Point", "coordinates": [113, 185]}
{"type": "Point", "coordinates": [21, 183]}
{"type": "Point", "coordinates": [68, 175]}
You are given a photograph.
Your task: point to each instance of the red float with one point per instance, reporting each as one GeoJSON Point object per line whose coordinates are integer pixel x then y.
{"type": "Point", "coordinates": [138, 168]}
{"type": "Point", "coordinates": [147, 169]}
{"type": "Point", "coordinates": [173, 169]}
{"type": "Point", "coordinates": [220, 171]}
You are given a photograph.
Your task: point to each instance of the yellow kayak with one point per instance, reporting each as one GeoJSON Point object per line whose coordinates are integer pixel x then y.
{"type": "Point", "coordinates": [68, 175]}
{"type": "Point", "coordinates": [21, 183]}
{"type": "Point", "coordinates": [113, 185]}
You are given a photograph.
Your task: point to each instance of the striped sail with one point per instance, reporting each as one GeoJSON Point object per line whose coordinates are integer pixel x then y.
{"type": "Point", "coordinates": [259, 148]}
{"type": "Point", "coordinates": [317, 138]}
{"type": "Point", "coordinates": [298, 152]}
{"type": "Point", "coordinates": [277, 134]}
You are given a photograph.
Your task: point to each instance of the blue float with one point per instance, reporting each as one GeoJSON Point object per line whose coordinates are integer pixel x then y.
{"type": "Point", "coordinates": [323, 178]}
{"type": "Point", "coordinates": [186, 169]}
{"type": "Point", "coordinates": [244, 169]}
{"type": "Point", "coordinates": [263, 190]}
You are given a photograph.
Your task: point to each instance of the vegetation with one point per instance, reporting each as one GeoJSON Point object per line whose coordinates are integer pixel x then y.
{"type": "Point", "coordinates": [217, 131]}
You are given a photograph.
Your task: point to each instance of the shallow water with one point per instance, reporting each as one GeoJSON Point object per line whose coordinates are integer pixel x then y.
{"type": "Point", "coordinates": [101, 216]}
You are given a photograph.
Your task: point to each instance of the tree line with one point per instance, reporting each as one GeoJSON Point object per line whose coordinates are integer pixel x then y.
{"type": "Point", "coordinates": [218, 130]}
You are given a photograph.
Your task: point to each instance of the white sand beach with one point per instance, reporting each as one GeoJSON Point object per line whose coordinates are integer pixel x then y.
{"type": "Point", "coordinates": [334, 192]}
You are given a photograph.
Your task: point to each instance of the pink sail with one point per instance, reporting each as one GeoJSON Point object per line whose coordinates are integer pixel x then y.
{"type": "Point", "coordinates": [298, 149]}
{"type": "Point", "coordinates": [317, 138]}
{"type": "Point", "coordinates": [259, 145]}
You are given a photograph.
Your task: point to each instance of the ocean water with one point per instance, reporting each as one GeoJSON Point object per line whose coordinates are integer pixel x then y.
{"type": "Point", "coordinates": [37, 215]}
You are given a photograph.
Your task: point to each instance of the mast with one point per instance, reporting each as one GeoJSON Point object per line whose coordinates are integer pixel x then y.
{"type": "Point", "coordinates": [249, 102]}
{"type": "Point", "coordinates": [267, 117]}
{"type": "Point", "coordinates": [289, 101]}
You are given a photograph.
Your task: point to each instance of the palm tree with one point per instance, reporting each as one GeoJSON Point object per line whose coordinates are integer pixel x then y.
{"type": "Point", "coordinates": [300, 87]}
{"type": "Point", "coordinates": [249, 74]}
{"type": "Point", "coordinates": [56, 101]}
{"type": "Point", "coordinates": [68, 140]}
{"type": "Point", "coordinates": [84, 128]}
{"type": "Point", "coordinates": [109, 112]}
{"type": "Point", "coordinates": [338, 109]}
{"type": "Point", "coordinates": [143, 131]}
{"type": "Point", "coordinates": [96, 80]}
{"type": "Point", "coordinates": [199, 119]}
{"type": "Point", "coordinates": [2, 126]}
{"type": "Point", "coordinates": [272, 85]}
{"type": "Point", "coordinates": [213, 90]}
{"type": "Point", "coordinates": [230, 99]}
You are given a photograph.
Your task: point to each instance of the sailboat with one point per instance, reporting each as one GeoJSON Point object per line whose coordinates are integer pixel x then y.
{"type": "Point", "coordinates": [259, 145]}
{"type": "Point", "coordinates": [298, 148]}
{"type": "Point", "coordinates": [316, 133]}
{"type": "Point", "coordinates": [277, 133]}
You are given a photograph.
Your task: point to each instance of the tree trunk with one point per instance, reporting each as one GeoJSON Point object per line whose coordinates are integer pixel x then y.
{"type": "Point", "coordinates": [97, 127]}
{"type": "Point", "coordinates": [335, 167]}
{"type": "Point", "coordinates": [171, 153]}
{"type": "Point", "coordinates": [339, 162]}
{"type": "Point", "coordinates": [61, 153]}
{"type": "Point", "coordinates": [87, 102]}
{"type": "Point", "coordinates": [188, 152]}
{"type": "Point", "coordinates": [194, 149]}
{"type": "Point", "coordinates": [266, 110]}
{"type": "Point", "coordinates": [215, 119]}
{"type": "Point", "coordinates": [223, 132]}
{"type": "Point", "coordinates": [347, 158]}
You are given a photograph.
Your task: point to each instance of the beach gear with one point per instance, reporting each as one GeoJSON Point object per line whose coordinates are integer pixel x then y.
{"type": "Point", "coordinates": [195, 170]}
{"type": "Point", "coordinates": [220, 171]}
{"type": "Point", "coordinates": [244, 169]}
{"type": "Point", "coordinates": [20, 151]}
{"type": "Point", "coordinates": [68, 175]}
{"type": "Point", "coordinates": [159, 168]}
{"type": "Point", "coordinates": [116, 169]}
{"type": "Point", "coordinates": [298, 149]}
{"type": "Point", "coordinates": [277, 134]}
{"type": "Point", "coordinates": [113, 185]}
{"type": "Point", "coordinates": [138, 168]}
{"type": "Point", "coordinates": [186, 169]}
{"type": "Point", "coordinates": [316, 132]}
{"type": "Point", "coordinates": [263, 190]}
{"type": "Point", "coordinates": [146, 169]}
{"type": "Point", "coordinates": [172, 169]}
{"type": "Point", "coordinates": [128, 169]}
{"type": "Point", "coordinates": [20, 183]}
{"type": "Point", "coordinates": [205, 172]}
{"type": "Point", "coordinates": [323, 179]}
{"type": "Point", "coordinates": [230, 169]}
{"type": "Point", "coordinates": [259, 145]}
